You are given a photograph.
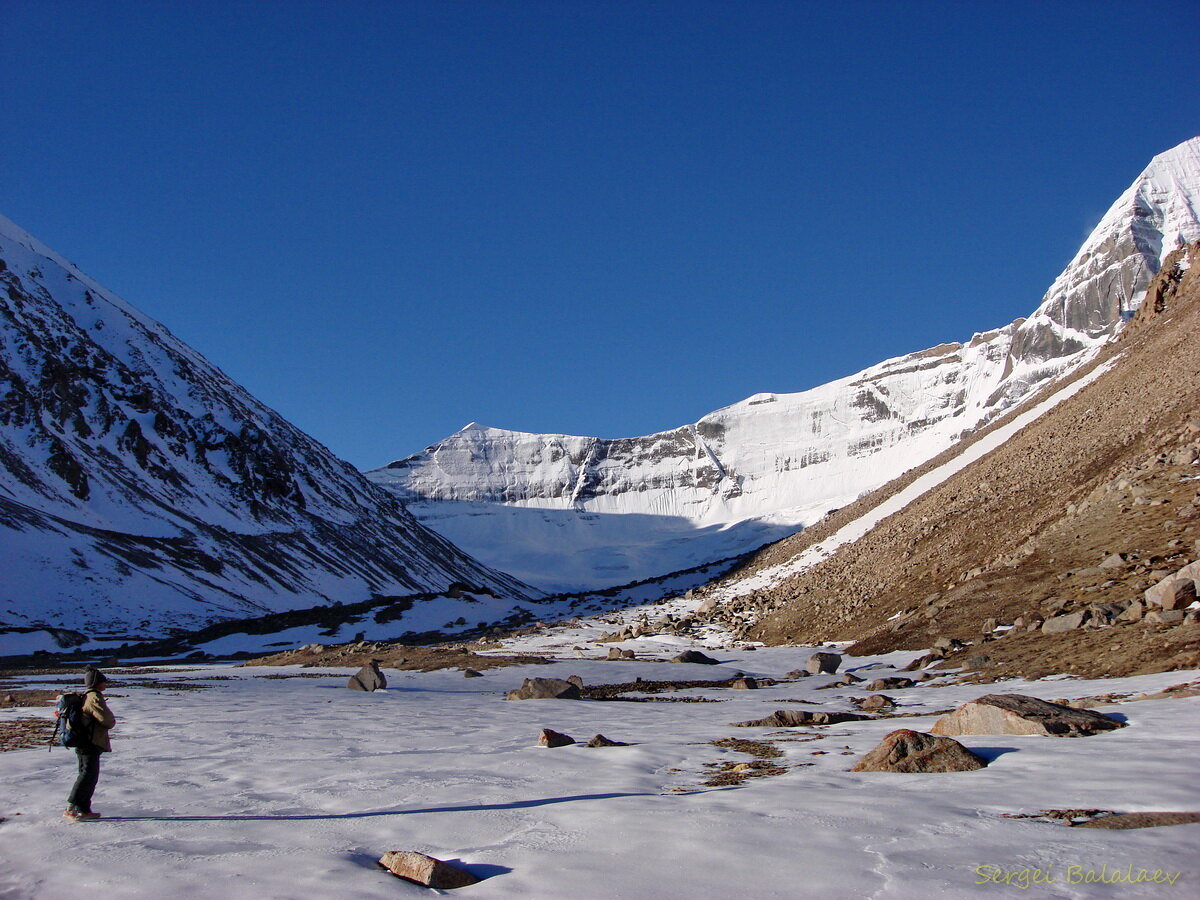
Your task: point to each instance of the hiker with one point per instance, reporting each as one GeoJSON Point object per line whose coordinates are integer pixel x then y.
{"type": "Point", "coordinates": [95, 709]}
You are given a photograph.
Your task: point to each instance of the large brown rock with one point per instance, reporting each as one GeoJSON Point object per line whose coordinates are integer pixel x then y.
{"type": "Point", "coordinates": [551, 738]}
{"type": "Point", "coordinates": [694, 656]}
{"type": "Point", "coordinates": [601, 741]}
{"type": "Point", "coordinates": [1164, 616]}
{"type": "Point", "coordinates": [1173, 592]}
{"type": "Point", "coordinates": [368, 678]}
{"type": "Point", "coordinates": [877, 703]}
{"type": "Point", "coordinates": [792, 718]}
{"type": "Point", "coordinates": [1133, 612]}
{"type": "Point", "coordinates": [894, 683]}
{"type": "Point", "coordinates": [544, 689]}
{"type": "Point", "coordinates": [1017, 714]}
{"type": "Point", "coordinates": [915, 751]}
{"type": "Point", "coordinates": [426, 870]}
{"type": "Point", "coordinates": [823, 663]}
{"type": "Point", "coordinates": [1064, 622]}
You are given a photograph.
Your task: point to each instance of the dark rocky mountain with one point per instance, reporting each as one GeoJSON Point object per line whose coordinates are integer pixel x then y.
{"type": "Point", "coordinates": [141, 489]}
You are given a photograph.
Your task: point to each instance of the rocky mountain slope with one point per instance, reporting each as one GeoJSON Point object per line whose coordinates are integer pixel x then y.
{"type": "Point", "coordinates": [1049, 541]}
{"type": "Point", "coordinates": [615, 510]}
{"type": "Point", "coordinates": [143, 490]}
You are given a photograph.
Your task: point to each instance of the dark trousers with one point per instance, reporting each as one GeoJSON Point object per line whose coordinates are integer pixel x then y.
{"type": "Point", "coordinates": [85, 784]}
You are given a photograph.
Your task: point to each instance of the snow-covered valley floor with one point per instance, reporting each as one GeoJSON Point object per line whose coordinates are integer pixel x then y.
{"type": "Point", "coordinates": [267, 787]}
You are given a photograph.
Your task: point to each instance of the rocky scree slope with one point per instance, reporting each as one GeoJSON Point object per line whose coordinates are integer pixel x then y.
{"type": "Point", "coordinates": [1071, 520]}
{"type": "Point", "coordinates": [775, 462]}
{"type": "Point", "coordinates": [142, 489]}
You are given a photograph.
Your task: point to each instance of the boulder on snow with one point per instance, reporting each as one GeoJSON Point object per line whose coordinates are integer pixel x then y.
{"type": "Point", "coordinates": [915, 751]}
{"type": "Point", "coordinates": [745, 683]}
{"type": "Point", "coordinates": [601, 741]}
{"type": "Point", "coordinates": [922, 661]}
{"type": "Point", "coordinates": [822, 663]}
{"type": "Point", "coordinates": [794, 718]}
{"type": "Point", "coordinates": [614, 653]}
{"type": "Point", "coordinates": [472, 673]}
{"type": "Point", "coordinates": [877, 703]}
{"type": "Point", "coordinates": [695, 656]}
{"type": "Point", "coordinates": [426, 870]}
{"type": "Point", "coordinates": [575, 680]}
{"type": "Point", "coordinates": [552, 738]}
{"type": "Point", "coordinates": [544, 689]}
{"type": "Point", "coordinates": [890, 684]}
{"type": "Point", "coordinates": [1017, 714]}
{"type": "Point", "coordinates": [368, 678]}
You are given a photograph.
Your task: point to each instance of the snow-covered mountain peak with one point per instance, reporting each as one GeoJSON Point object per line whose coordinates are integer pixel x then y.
{"type": "Point", "coordinates": [140, 487]}
{"type": "Point", "coordinates": [565, 511]}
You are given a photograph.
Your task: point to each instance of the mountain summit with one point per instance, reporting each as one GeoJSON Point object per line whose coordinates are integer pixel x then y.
{"type": "Point", "coordinates": [143, 490]}
{"type": "Point", "coordinates": [564, 511]}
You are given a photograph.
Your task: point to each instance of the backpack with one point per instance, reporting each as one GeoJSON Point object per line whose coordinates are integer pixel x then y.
{"type": "Point", "coordinates": [73, 724]}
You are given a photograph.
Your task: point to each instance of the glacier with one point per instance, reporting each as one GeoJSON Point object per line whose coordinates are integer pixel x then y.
{"type": "Point", "coordinates": [566, 512]}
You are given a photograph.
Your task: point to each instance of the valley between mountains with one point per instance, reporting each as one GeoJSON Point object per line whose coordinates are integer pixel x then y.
{"type": "Point", "coordinates": [752, 609]}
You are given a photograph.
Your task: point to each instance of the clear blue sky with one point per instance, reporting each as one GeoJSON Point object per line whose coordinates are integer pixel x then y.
{"type": "Point", "coordinates": [388, 219]}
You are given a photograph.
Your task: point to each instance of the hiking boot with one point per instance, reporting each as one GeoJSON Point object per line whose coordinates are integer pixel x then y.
{"type": "Point", "coordinates": [89, 815]}
{"type": "Point", "coordinates": [72, 814]}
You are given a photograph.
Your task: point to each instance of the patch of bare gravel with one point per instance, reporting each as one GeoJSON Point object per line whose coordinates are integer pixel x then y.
{"type": "Point", "coordinates": [394, 656]}
{"type": "Point", "coordinates": [25, 732]}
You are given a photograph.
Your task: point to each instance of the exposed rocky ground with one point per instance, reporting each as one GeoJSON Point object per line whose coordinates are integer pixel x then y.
{"type": "Point", "coordinates": [393, 656]}
{"type": "Point", "coordinates": [1069, 522]}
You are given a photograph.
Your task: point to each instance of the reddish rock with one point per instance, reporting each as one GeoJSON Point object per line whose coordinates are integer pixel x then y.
{"type": "Point", "coordinates": [426, 870]}
{"type": "Point", "coordinates": [915, 751]}
{"type": "Point", "coordinates": [551, 738]}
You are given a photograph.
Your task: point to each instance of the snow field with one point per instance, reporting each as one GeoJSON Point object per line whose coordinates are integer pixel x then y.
{"type": "Point", "coordinates": [263, 787]}
{"type": "Point", "coordinates": [852, 531]}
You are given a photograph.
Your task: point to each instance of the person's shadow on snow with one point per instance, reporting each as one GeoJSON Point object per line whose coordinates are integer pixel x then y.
{"type": "Point", "coordinates": [303, 817]}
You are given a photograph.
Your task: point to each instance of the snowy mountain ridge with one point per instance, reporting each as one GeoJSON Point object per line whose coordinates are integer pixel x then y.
{"type": "Point", "coordinates": [566, 511]}
{"type": "Point", "coordinates": [143, 489]}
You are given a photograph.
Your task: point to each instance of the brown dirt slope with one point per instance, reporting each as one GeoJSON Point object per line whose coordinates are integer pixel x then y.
{"type": "Point", "coordinates": [1023, 530]}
